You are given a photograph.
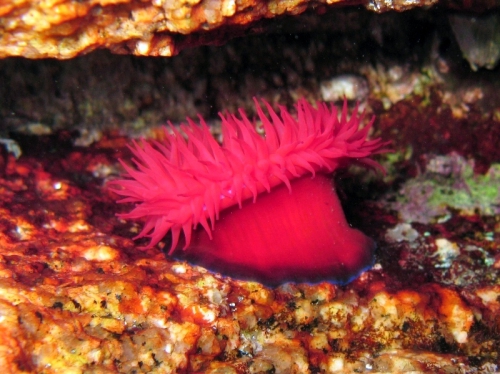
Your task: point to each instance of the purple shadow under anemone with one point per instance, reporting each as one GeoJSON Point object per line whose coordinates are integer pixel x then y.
{"type": "Point", "coordinates": [258, 207]}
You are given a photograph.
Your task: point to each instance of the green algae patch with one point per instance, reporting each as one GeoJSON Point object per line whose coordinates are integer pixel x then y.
{"type": "Point", "coordinates": [448, 183]}
{"type": "Point", "coordinates": [479, 194]}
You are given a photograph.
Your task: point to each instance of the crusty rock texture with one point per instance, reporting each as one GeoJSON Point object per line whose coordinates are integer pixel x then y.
{"type": "Point", "coordinates": [67, 28]}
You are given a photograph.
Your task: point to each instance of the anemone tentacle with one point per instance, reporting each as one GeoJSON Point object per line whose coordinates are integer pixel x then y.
{"type": "Point", "coordinates": [188, 179]}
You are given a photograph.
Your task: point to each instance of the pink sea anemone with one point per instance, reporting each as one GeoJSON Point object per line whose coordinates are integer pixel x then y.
{"type": "Point", "coordinates": [258, 207]}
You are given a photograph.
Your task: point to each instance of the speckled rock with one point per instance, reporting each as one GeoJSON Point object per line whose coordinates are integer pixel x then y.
{"type": "Point", "coordinates": [67, 28]}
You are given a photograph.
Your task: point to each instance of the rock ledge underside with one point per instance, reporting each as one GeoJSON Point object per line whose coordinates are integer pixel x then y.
{"type": "Point", "coordinates": [67, 28]}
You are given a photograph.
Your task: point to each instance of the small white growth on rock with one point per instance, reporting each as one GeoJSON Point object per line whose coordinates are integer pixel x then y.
{"type": "Point", "coordinates": [352, 87]}
{"type": "Point", "coordinates": [446, 252]}
{"type": "Point", "coordinates": [402, 232]}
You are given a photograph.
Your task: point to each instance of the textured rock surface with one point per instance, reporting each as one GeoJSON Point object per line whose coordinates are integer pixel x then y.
{"type": "Point", "coordinates": [76, 295]}
{"type": "Point", "coordinates": [352, 52]}
{"type": "Point", "coordinates": [67, 28]}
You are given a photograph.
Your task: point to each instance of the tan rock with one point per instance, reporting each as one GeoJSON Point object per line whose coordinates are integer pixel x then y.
{"type": "Point", "coordinates": [67, 28]}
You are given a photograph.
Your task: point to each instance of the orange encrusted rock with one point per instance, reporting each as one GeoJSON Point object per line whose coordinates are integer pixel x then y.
{"type": "Point", "coordinates": [76, 294]}
{"type": "Point", "coordinates": [67, 28]}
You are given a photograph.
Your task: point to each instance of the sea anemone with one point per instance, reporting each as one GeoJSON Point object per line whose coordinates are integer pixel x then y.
{"type": "Point", "coordinates": [260, 207]}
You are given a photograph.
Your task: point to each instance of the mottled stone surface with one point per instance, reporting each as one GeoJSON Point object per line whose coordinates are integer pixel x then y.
{"type": "Point", "coordinates": [67, 28]}
{"type": "Point", "coordinates": [352, 52]}
{"type": "Point", "coordinates": [76, 293]}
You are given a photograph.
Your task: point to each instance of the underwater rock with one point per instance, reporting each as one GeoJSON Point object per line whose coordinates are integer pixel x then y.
{"type": "Point", "coordinates": [68, 28]}
{"type": "Point", "coordinates": [478, 38]}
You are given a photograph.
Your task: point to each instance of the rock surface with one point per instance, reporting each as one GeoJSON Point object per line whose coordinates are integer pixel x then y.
{"type": "Point", "coordinates": [68, 28]}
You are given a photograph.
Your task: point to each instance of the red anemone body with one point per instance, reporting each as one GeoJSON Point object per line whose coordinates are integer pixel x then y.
{"type": "Point", "coordinates": [257, 207]}
{"type": "Point", "coordinates": [301, 236]}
